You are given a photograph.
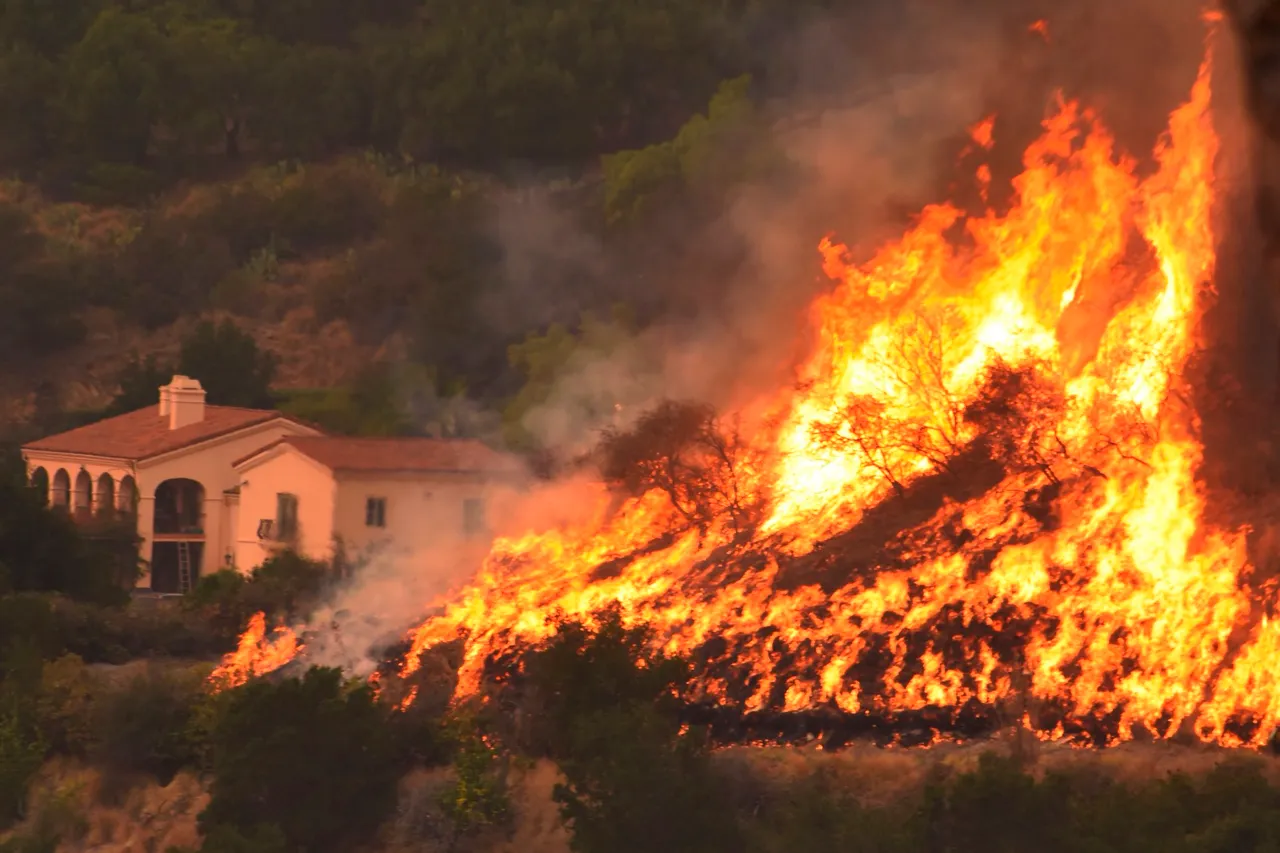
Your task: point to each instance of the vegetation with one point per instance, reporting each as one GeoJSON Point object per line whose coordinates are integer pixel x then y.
{"type": "Point", "coordinates": [313, 756]}
{"type": "Point", "coordinates": [172, 161]}
{"type": "Point", "coordinates": [285, 588]}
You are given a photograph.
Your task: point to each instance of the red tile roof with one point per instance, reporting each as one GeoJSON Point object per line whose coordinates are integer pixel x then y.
{"type": "Point", "coordinates": [142, 434]}
{"type": "Point", "coordinates": [399, 455]}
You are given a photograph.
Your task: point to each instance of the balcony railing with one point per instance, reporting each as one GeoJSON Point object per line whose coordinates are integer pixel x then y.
{"type": "Point", "coordinates": [271, 532]}
{"type": "Point", "coordinates": [167, 523]}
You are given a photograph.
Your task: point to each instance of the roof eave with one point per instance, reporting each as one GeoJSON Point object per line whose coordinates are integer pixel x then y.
{"type": "Point", "coordinates": [77, 455]}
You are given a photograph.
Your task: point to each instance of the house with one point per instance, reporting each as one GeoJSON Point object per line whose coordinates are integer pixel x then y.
{"type": "Point", "coordinates": [309, 493]}
{"type": "Point", "coordinates": [166, 469]}
{"type": "Point", "coordinates": [207, 487]}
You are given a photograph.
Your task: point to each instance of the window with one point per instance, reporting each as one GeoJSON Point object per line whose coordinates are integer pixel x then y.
{"type": "Point", "coordinates": [375, 512]}
{"type": "Point", "coordinates": [473, 516]}
{"type": "Point", "coordinates": [286, 516]}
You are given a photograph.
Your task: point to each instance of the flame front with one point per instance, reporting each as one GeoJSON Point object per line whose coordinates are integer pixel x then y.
{"type": "Point", "coordinates": [255, 654]}
{"type": "Point", "coordinates": [1050, 339]}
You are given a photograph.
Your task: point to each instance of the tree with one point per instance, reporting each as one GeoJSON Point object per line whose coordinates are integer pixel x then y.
{"type": "Point", "coordinates": [710, 154]}
{"type": "Point", "coordinates": [49, 27]}
{"type": "Point", "coordinates": [477, 797]}
{"type": "Point", "coordinates": [635, 779]}
{"type": "Point", "coordinates": [306, 100]}
{"type": "Point", "coordinates": [683, 450]}
{"type": "Point", "coordinates": [311, 755]}
{"type": "Point", "coordinates": [142, 726]}
{"type": "Point", "coordinates": [37, 297]}
{"type": "Point", "coordinates": [116, 78]}
{"type": "Point", "coordinates": [635, 784]}
{"type": "Point", "coordinates": [585, 670]}
{"type": "Point", "coordinates": [214, 67]}
{"type": "Point", "coordinates": [139, 381]}
{"type": "Point", "coordinates": [41, 549]}
{"type": "Point", "coordinates": [228, 363]}
{"type": "Point", "coordinates": [29, 89]}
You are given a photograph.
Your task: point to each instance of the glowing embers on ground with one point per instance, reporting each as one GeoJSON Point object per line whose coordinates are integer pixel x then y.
{"type": "Point", "coordinates": [1019, 382]}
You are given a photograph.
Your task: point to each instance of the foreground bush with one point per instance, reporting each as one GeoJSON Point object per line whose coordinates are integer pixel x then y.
{"type": "Point", "coordinates": [56, 626]}
{"type": "Point", "coordinates": [635, 778]}
{"type": "Point", "coordinates": [143, 726]}
{"type": "Point", "coordinates": [313, 756]}
{"type": "Point", "coordinates": [285, 587]}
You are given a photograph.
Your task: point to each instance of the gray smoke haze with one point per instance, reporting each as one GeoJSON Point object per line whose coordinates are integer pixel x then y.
{"type": "Point", "coordinates": [870, 118]}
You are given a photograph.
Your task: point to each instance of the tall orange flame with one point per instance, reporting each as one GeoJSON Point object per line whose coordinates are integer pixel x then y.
{"type": "Point", "coordinates": [1084, 576]}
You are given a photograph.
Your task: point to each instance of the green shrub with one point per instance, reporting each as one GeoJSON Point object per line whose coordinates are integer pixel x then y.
{"type": "Point", "coordinates": [477, 797]}
{"type": "Point", "coordinates": [219, 599]}
{"type": "Point", "coordinates": [110, 184]}
{"type": "Point", "coordinates": [30, 618]}
{"type": "Point", "coordinates": [21, 754]}
{"type": "Point", "coordinates": [585, 671]}
{"type": "Point", "coordinates": [143, 726]}
{"type": "Point", "coordinates": [169, 270]}
{"type": "Point", "coordinates": [287, 586]}
{"type": "Point", "coordinates": [228, 839]}
{"type": "Point", "coordinates": [64, 706]}
{"type": "Point", "coordinates": [818, 815]}
{"type": "Point", "coordinates": [634, 784]}
{"type": "Point", "coordinates": [312, 755]}
{"type": "Point", "coordinates": [143, 629]}
{"type": "Point", "coordinates": [327, 208]}
{"type": "Point", "coordinates": [241, 218]}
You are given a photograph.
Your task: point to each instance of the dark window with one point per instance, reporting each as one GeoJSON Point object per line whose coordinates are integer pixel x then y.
{"type": "Point", "coordinates": [473, 516]}
{"type": "Point", "coordinates": [286, 516]}
{"type": "Point", "coordinates": [375, 512]}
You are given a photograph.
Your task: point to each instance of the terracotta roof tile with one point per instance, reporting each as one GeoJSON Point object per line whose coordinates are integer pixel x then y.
{"type": "Point", "coordinates": [144, 433]}
{"type": "Point", "coordinates": [392, 455]}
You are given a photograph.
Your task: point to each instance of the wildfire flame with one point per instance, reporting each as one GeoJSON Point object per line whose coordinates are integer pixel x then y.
{"type": "Point", "coordinates": [1050, 339]}
{"type": "Point", "coordinates": [256, 655]}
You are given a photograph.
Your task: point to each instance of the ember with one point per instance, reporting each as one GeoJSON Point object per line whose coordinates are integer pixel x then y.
{"type": "Point", "coordinates": [982, 490]}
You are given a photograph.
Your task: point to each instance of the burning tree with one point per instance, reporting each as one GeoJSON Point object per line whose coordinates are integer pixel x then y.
{"type": "Point", "coordinates": [685, 451]}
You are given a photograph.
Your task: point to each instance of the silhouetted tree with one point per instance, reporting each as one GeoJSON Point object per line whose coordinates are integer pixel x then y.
{"type": "Point", "coordinates": [228, 363]}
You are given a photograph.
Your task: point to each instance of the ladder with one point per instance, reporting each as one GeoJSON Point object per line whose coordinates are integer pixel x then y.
{"type": "Point", "coordinates": [184, 567]}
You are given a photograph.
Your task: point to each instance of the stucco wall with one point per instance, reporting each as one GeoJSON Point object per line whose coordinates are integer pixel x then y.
{"type": "Point", "coordinates": [209, 464]}
{"type": "Point", "coordinates": [422, 510]}
{"type": "Point", "coordinates": [287, 471]}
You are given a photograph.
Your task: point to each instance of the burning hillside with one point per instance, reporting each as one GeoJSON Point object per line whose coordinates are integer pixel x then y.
{"type": "Point", "coordinates": [983, 487]}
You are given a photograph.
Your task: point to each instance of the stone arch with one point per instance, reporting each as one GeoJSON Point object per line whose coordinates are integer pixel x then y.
{"type": "Point", "coordinates": [40, 483]}
{"type": "Point", "coordinates": [179, 506]}
{"type": "Point", "coordinates": [61, 494]}
{"type": "Point", "coordinates": [127, 496]}
{"type": "Point", "coordinates": [104, 496]}
{"type": "Point", "coordinates": [82, 498]}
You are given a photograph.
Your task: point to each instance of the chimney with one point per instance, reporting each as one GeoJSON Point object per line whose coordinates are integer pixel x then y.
{"type": "Point", "coordinates": [183, 400]}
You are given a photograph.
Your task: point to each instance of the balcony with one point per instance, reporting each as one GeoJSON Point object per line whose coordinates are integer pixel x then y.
{"type": "Point", "coordinates": [179, 510]}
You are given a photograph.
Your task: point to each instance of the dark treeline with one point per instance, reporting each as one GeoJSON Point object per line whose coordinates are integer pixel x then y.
{"type": "Point", "coordinates": [95, 90]}
{"type": "Point", "coordinates": [168, 159]}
